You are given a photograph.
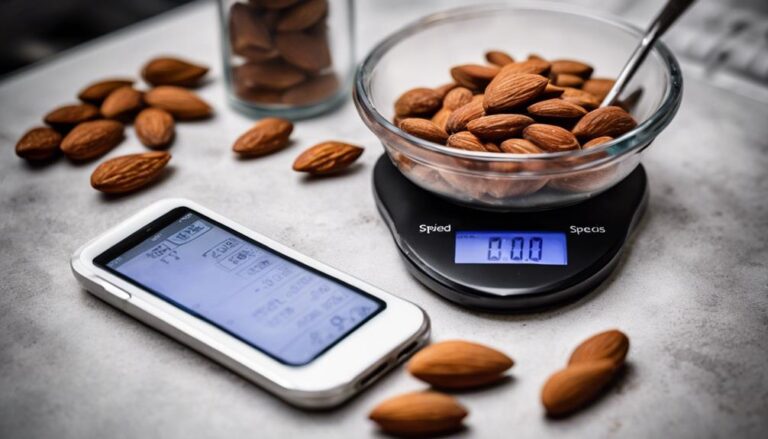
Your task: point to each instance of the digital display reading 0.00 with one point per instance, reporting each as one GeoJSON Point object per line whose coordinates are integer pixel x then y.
{"type": "Point", "coordinates": [511, 247]}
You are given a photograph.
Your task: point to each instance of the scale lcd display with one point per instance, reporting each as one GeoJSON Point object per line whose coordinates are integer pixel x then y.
{"type": "Point", "coordinates": [511, 247]}
{"type": "Point", "coordinates": [278, 305]}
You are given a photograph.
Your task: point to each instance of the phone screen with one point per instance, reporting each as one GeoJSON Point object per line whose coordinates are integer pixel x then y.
{"type": "Point", "coordinates": [280, 306]}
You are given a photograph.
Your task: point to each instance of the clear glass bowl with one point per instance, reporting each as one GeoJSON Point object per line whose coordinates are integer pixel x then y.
{"type": "Point", "coordinates": [421, 55]}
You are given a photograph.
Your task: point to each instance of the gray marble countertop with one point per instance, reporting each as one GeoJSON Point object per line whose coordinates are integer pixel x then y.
{"type": "Point", "coordinates": [691, 290]}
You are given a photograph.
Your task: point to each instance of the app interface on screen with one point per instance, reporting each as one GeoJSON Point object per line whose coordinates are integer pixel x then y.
{"type": "Point", "coordinates": [274, 304]}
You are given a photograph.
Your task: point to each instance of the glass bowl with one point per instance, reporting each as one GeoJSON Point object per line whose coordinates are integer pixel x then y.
{"type": "Point", "coordinates": [421, 55]}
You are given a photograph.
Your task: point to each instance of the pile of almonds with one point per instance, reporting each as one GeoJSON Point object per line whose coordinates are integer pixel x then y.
{"type": "Point", "coordinates": [461, 365]}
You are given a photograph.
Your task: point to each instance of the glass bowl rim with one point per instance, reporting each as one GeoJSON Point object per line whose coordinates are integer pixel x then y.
{"type": "Point", "coordinates": [639, 136]}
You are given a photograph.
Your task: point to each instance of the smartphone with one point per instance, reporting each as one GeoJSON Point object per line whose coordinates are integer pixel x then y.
{"type": "Point", "coordinates": [310, 334]}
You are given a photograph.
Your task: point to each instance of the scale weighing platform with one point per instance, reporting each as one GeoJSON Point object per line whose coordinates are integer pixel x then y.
{"type": "Point", "coordinates": [508, 261]}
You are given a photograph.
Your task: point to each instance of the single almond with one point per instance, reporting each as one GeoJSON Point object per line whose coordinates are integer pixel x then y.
{"type": "Point", "coordinates": [91, 139]}
{"type": "Point", "coordinates": [180, 102]}
{"type": "Point", "coordinates": [457, 97]}
{"type": "Point", "coordinates": [306, 50]}
{"type": "Point", "coordinates": [599, 87]}
{"type": "Point", "coordinates": [465, 140]}
{"type": "Point", "coordinates": [460, 117]}
{"type": "Point", "coordinates": [510, 90]}
{"type": "Point", "coordinates": [272, 75]}
{"type": "Point", "coordinates": [498, 126]}
{"type": "Point", "coordinates": [611, 345]}
{"type": "Point", "coordinates": [571, 67]}
{"type": "Point", "coordinates": [419, 414]}
{"type": "Point", "coordinates": [302, 15]}
{"type": "Point", "coordinates": [550, 138]}
{"type": "Point", "coordinates": [534, 66]}
{"type": "Point", "coordinates": [327, 157]}
{"type": "Point", "coordinates": [520, 146]}
{"type": "Point", "coordinates": [424, 129]}
{"type": "Point", "coordinates": [568, 80]}
{"type": "Point", "coordinates": [41, 143]}
{"type": "Point", "coordinates": [499, 58]}
{"type": "Point", "coordinates": [173, 71]}
{"type": "Point", "coordinates": [122, 103]}
{"type": "Point", "coordinates": [155, 127]}
{"type": "Point", "coordinates": [605, 121]}
{"type": "Point", "coordinates": [128, 173]}
{"type": "Point", "coordinates": [576, 386]}
{"type": "Point", "coordinates": [580, 98]}
{"type": "Point", "coordinates": [474, 76]}
{"type": "Point", "coordinates": [312, 90]}
{"type": "Point", "coordinates": [96, 92]}
{"type": "Point", "coordinates": [248, 33]}
{"type": "Point", "coordinates": [418, 102]}
{"type": "Point", "coordinates": [551, 91]}
{"type": "Point", "coordinates": [441, 118]}
{"type": "Point", "coordinates": [458, 364]}
{"type": "Point", "coordinates": [268, 135]}
{"type": "Point", "coordinates": [556, 108]}
{"type": "Point", "coordinates": [67, 116]}
{"type": "Point", "coordinates": [597, 141]}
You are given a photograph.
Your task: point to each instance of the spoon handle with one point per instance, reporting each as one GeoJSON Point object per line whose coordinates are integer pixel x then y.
{"type": "Point", "coordinates": [671, 12]}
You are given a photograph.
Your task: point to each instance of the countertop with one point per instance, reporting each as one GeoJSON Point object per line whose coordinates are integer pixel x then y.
{"type": "Point", "coordinates": [691, 289]}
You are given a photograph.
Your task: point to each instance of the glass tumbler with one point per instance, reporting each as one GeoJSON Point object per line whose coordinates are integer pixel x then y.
{"type": "Point", "coordinates": [289, 58]}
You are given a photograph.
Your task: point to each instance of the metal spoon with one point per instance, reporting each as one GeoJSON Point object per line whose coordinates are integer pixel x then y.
{"type": "Point", "coordinates": [671, 12]}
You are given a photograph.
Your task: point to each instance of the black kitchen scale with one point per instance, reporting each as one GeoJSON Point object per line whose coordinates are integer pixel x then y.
{"type": "Point", "coordinates": [508, 261]}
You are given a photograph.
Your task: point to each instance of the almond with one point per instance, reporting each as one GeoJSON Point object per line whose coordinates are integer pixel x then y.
{"type": "Point", "coordinates": [307, 51]}
{"type": "Point", "coordinates": [67, 116]}
{"type": "Point", "coordinates": [576, 386]}
{"type": "Point", "coordinates": [474, 76]}
{"type": "Point", "coordinates": [550, 138]}
{"type": "Point", "coordinates": [441, 118]}
{"type": "Point", "coordinates": [520, 146]}
{"type": "Point", "coordinates": [122, 103]}
{"type": "Point", "coordinates": [91, 139]}
{"type": "Point", "coordinates": [272, 75]}
{"type": "Point", "coordinates": [268, 135]}
{"type": "Point", "coordinates": [499, 58]}
{"type": "Point", "coordinates": [173, 71]}
{"type": "Point", "coordinates": [498, 126]}
{"type": "Point", "coordinates": [424, 129]}
{"type": "Point", "coordinates": [580, 98]}
{"type": "Point", "coordinates": [96, 92]}
{"type": "Point", "coordinates": [610, 345]}
{"type": "Point", "coordinates": [419, 414]}
{"type": "Point", "coordinates": [418, 102]}
{"type": "Point", "coordinates": [313, 90]}
{"type": "Point", "coordinates": [155, 128]}
{"type": "Point", "coordinates": [568, 80]}
{"type": "Point", "coordinates": [41, 143]}
{"type": "Point", "coordinates": [302, 15]}
{"type": "Point", "coordinates": [460, 117]}
{"type": "Point", "coordinates": [534, 66]}
{"type": "Point", "coordinates": [327, 157]}
{"type": "Point", "coordinates": [491, 147]}
{"type": "Point", "coordinates": [457, 364]}
{"type": "Point", "coordinates": [445, 88]}
{"type": "Point", "coordinates": [571, 67]}
{"type": "Point", "coordinates": [605, 121]}
{"type": "Point", "coordinates": [465, 140]}
{"type": "Point", "coordinates": [457, 97]}
{"type": "Point", "coordinates": [247, 31]}
{"type": "Point", "coordinates": [597, 141]}
{"type": "Point", "coordinates": [556, 108]}
{"type": "Point", "coordinates": [599, 87]}
{"type": "Point", "coordinates": [180, 102]}
{"type": "Point", "coordinates": [128, 173]}
{"type": "Point", "coordinates": [552, 91]}
{"type": "Point", "coordinates": [510, 90]}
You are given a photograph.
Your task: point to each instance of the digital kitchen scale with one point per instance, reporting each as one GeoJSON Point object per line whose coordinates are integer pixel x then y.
{"type": "Point", "coordinates": [508, 261]}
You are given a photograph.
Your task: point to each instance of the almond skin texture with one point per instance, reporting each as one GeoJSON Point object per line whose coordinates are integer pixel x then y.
{"type": "Point", "coordinates": [457, 97]}
{"type": "Point", "coordinates": [419, 414]}
{"type": "Point", "coordinates": [96, 92]}
{"type": "Point", "coordinates": [597, 141]}
{"type": "Point", "coordinates": [272, 75]}
{"type": "Point", "coordinates": [474, 76]}
{"type": "Point", "coordinates": [172, 71]}
{"type": "Point", "coordinates": [568, 80]}
{"type": "Point", "coordinates": [550, 138]}
{"type": "Point", "coordinates": [155, 128]}
{"type": "Point", "coordinates": [580, 98]}
{"type": "Point", "coordinates": [610, 345]}
{"type": "Point", "coordinates": [532, 66]}
{"type": "Point", "coordinates": [552, 91]}
{"type": "Point", "coordinates": [67, 116]}
{"type": "Point", "coordinates": [249, 35]}
{"type": "Point", "coordinates": [520, 146]}
{"type": "Point", "coordinates": [599, 87]}
{"type": "Point", "coordinates": [576, 386]}
{"type": "Point", "coordinates": [510, 90]}
{"type": "Point", "coordinates": [302, 15]}
{"type": "Point", "coordinates": [498, 126]}
{"type": "Point", "coordinates": [556, 108]}
{"type": "Point", "coordinates": [460, 117]}
{"type": "Point", "coordinates": [457, 364]}
{"type": "Point", "coordinates": [418, 102]}
{"type": "Point", "coordinates": [92, 139]}
{"type": "Point", "coordinates": [465, 140]}
{"type": "Point", "coordinates": [445, 88]}
{"type": "Point", "coordinates": [180, 102]}
{"type": "Point", "coordinates": [424, 129]}
{"type": "Point", "coordinates": [268, 135]}
{"type": "Point", "coordinates": [307, 51]}
{"type": "Point", "coordinates": [570, 67]}
{"type": "Point", "coordinates": [41, 143]}
{"type": "Point", "coordinates": [312, 90]}
{"type": "Point", "coordinates": [499, 58]}
{"type": "Point", "coordinates": [121, 103]}
{"type": "Point", "coordinates": [327, 157]}
{"type": "Point", "coordinates": [128, 173]}
{"type": "Point", "coordinates": [605, 121]}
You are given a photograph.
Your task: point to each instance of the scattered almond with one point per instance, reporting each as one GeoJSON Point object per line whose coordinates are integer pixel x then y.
{"type": "Point", "coordinates": [96, 92]}
{"type": "Point", "coordinates": [418, 102]}
{"type": "Point", "coordinates": [67, 116]}
{"type": "Point", "coordinates": [498, 126]}
{"type": "Point", "coordinates": [459, 364]}
{"type": "Point", "coordinates": [550, 137]}
{"type": "Point", "coordinates": [172, 71]}
{"type": "Point", "coordinates": [155, 127]}
{"type": "Point", "coordinates": [556, 108]}
{"type": "Point", "coordinates": [327, 157]}
{"type": "Point", "coordinates": [424, 129]}
{"type": "Point", "coordinates": [610, 345]}
{"type": "Point", "coordinates": [510, 90]}
{"type": "Point", "coordinates": [419, 414]}
{"type": "Point", "coordinates": [180, 102]}
{"type": "Point", "coordinates": [41, 143]}
{"type": "Point", "coordinates": [268, 135]}
{"type": "Point", "coordinates": [605, 121]}
{"type": "Point", "coordinates": [576, 386]}
{"type": "Point", "coordinates": [91, 139]}
{"type": "Point", "coordinates": [121, 103]}
{"type": "Point", "coordinates": [128, 173]}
